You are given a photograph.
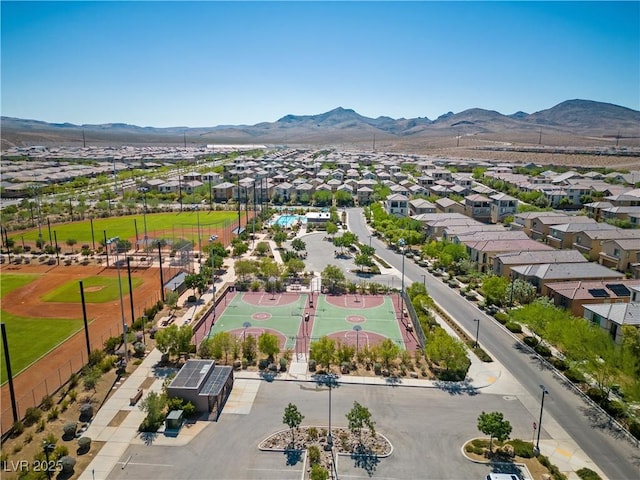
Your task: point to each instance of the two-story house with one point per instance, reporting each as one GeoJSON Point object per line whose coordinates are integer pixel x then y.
{"type": "Point", "coordinates": [397, 205]}
{"type": "Point", "coordinates": [502, 206]}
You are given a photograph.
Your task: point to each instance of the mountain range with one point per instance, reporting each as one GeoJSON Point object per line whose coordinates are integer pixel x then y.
{"type": "Point", "coordinates": [573, 122]}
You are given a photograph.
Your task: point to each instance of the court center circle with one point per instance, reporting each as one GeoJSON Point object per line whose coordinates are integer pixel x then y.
{"type": "Point", "coordinates": [261, 316]}
{"type": "Point", "coordinates": [355, 318]}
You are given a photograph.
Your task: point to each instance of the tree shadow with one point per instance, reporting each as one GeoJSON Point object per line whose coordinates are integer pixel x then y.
{"type": "Point", "coordinates": [268, 376]}
{"type": "Point", "coordinates": [148, 437]}
{"type": "Point", "coordinates": [393, 381]}
{"type": "Point", "coordinates": [327, 380]}
{"type": "Point", "coordinates": [457, 388]}
{"type": "Point", "coordinates": [293, 456]}
{"type": "Point", "coordinates": [363, 457]}
{"type": "Point", "coordinates": [507, 468]}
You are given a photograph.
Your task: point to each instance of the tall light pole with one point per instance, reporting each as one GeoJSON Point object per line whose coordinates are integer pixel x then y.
{"type": "Point", "coordinates": [477, 321]}
{"type": "Point", "coordinates": [370, 240]}
{"type": "Point", "coordinates": [424, 281]}
{"type": "Point", "coordinates": [144, 191]}
{"type": "Point", "coordinates": [401, 242]}
{"type": "Point", "coordinates": [124, 322]}
{"type": "Point", "coordinates": [544, 392]}
{"type": "Point", "coordinates": [212, 239]}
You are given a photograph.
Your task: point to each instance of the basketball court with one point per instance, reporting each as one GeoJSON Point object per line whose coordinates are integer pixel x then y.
{"type": "Point", "coordinates": [352, 319]}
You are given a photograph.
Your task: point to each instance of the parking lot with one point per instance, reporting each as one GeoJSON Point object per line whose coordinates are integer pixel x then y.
{"type": "Point", "coordinates": [427, 428]}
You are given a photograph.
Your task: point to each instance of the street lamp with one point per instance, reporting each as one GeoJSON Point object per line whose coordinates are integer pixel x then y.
{"type": "Point", "coordinates": [544, 392]}
{"type": "Point", "coordinates": [424, 281]}
{"type": "Point", "coordinates": [357, 329]}
{"type": "Point", "coordinates": [401, 243]}
{"type": "Point", "coordinates": [370, 240]}
{"type": "Point", "coordinates": [48, 448]}
{"type": "Point", "coordinates": [477, 321]}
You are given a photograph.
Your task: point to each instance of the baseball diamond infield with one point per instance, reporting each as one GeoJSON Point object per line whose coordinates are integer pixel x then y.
{"type": "Point", "coordinates": [45, 374]}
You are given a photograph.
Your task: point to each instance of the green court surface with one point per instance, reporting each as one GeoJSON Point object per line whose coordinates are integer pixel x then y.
{"type": "Point", "coordinates": [375, 321]}
{"type": "Point", "coordinates": [279, 313]}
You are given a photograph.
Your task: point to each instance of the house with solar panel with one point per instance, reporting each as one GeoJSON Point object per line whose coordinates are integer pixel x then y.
{"type": "Point", "coordinates": [204, 384]}
{"type": "Point", "coordinates": [611, 317]}
{"type": "Point", "coordinates": [578, 294]}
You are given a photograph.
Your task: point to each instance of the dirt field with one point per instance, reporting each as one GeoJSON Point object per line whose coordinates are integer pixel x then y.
{"type": "Point", "coordinates": [45, 375]}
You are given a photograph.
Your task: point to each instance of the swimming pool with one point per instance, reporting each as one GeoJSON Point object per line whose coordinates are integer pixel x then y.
{"type": "Point", "coordinates": [288, 220]}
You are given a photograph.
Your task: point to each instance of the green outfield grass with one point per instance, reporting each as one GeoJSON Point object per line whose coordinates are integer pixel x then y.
{"type": "Point", "coordinates": [106, 290]}
{"type": "Point", "coordinates": [9, 282]}
{"type": "Point", "coordinates": [185, 225]}
{"type": "Point", "coordinates": [30, 338]}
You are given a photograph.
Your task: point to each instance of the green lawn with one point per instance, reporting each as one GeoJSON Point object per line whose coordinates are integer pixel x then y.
{"type": "Point", "coordinates": [9, 282]}
{"type": "Point", "coordinates": [184, 225]}
{"type": "Point", "coordinates": [106, 290]}
{"type": "Point", "coordinates": [30, 338]}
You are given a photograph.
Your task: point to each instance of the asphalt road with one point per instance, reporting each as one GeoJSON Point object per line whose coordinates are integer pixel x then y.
{"type": "Point", "coordinates": [616, 456]}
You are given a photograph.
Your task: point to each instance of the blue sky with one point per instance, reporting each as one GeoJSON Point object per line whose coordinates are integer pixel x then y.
{"type": "Point", "coordinates": [212, 63]}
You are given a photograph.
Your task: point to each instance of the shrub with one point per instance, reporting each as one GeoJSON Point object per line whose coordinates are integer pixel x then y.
{"type": "Point", "coordinates": [312, 433]}
{"type": "Point", "coordinates": [263, 364]}
{"type": "Point", "coordinates": [28, 437]}
{"type": "Point", "coordinates": [73, 395]}
{"type": "Point", "coordinates": [67, 463]}
{"type": "Point", "coordinates": [111, 344]}
{"type": "Point", "coordinates": [616, 409]}
{"type": "Point", "coordinates": [318, 473]}
{"type": "Point", "coordinates": [588, 474]}
{"type": "Point", "coordinates": [73, 380]}
{"type": "Point", "coordinates": [559, 364]}
{"type": "Point", "coordinates": [18, 428]}
{"type": "Point", "coordinates": [53, 414]}
{"type": "Point", "coordinates": [96, 356]}
{"type": "Point", "coordinates": [634, 429]}
{"type": "Point", "coordinates": [501, 317]}
{"type": "Point", "coordinates": [41, 425]}
{"type": "Point", "coordinates": [574, 376]}
{"type": "Point", "coordinates": [46, 403]}
{"type": "Point", "coordinates": [64, 405]}
{"type": "Point", "coordinates": [513, 327]}
{"type": "Point", "coordinates": [107, 363]}
{"type": "Point", "coordinates": [596, 395]}
{"type": "Point", "coordinates": [60, 451]}
{"type": "Point", "coordinates": [314, 455]}
{"type": "Point", "coordinates": [86, 411]}
{"type": "Point", "coordinates": [32, 415]}
{"type": "Point", "coordinates": [543, 350]}
{"type": "Point", "coordinates": [139, 348]}
{"type": "Point", "coordinates": [69, 429]}
{"type": "Point", "coordinates": [84, 444]}
{"type": "Point", "coordinates": [521, 448]}
{"type": "Point", "coordinates": [531, 341]}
